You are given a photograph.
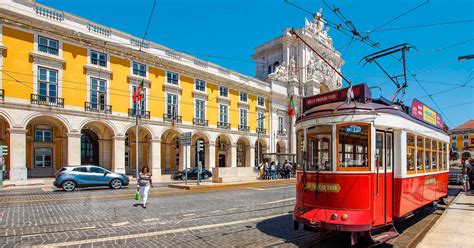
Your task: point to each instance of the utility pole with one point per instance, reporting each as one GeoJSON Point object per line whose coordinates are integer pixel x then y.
{"type": "Point", "coordinates": [137, 113]}
{"type": "Point", "coordinates": [258, 138]}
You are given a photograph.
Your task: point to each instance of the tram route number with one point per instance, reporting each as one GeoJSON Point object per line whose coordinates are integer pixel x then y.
{"type": "Point", "coordinates": [324, 187]}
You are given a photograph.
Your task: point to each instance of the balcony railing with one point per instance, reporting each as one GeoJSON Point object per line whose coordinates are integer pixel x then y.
{"type": "Point", "coordinates": [261, 130]}
{"type": "Point", "coordinates": [281, 132]}
{"type": "Point", "coordinates": [200, 122]}
{"type": "Point", "coordinates": [2, 94]}
{"type": "Point", "coordinates": [243, 128]}
{"type": "Point", "coordinates": [224, 125]}
{"type": "Point", "coordinates": [142, 114]}
{"type": "Point", "coordinates": [97, 107]}
{"type": "Point", "coordinates": [47, 100]}
{"type": "Point", "coordinates": [172, 118]}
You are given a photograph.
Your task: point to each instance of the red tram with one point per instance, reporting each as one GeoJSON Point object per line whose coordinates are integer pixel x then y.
{"type": "Point", "coordinates": [367, 163]}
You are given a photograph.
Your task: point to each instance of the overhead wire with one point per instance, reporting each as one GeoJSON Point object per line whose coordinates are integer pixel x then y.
{"type": "Point", "coordinates": [427, 25]}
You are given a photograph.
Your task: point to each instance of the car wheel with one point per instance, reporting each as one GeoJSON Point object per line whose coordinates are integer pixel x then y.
{"type": "Point", "coordinates": [116, 183]}
{"type": "Point", "coordinates": [183, 177]}
{"type": "Point", "coordinates": [69, 186]}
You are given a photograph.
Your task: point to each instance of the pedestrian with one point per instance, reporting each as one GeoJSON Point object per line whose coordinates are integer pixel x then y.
{"type": "Point", "coordinates": [469, 174]}
{"type": "Point", "coordinates": [278, 170]}
{"type": "Point", "coordinates": [267, 175]}
{"type": "Point", "coordinates": [144, 184]}
{"type": "Point", "coordinates": [287, 169]}
{"type": "Point", "coordinates": [273, 170]}
{"type": "Point", "coordinates": [261, 170]}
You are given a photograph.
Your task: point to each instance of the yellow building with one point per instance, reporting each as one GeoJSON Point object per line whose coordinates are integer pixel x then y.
{"type": "Point", "coordinates": [67, 86]}
{"type": "Point", "coordinates": [462, 141]}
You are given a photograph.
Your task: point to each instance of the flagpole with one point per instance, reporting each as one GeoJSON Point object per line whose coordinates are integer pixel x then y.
{"type": "Point", "coordinates": [137, 111]}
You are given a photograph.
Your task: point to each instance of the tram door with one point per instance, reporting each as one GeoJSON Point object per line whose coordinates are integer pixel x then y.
{"type": "Point", "coordinates": [383, 180]}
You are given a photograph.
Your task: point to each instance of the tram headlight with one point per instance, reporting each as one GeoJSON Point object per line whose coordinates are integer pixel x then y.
{"type": "Point", "coordinates": [344, 217]}
{"type": "Point", "coordinates": [333, 216]}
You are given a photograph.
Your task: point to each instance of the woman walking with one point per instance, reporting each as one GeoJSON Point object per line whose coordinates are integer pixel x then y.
{"type": "Point", "coordinates": [144, 183]}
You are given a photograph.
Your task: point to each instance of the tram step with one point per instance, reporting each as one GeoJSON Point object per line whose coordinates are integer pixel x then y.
{"type": "Point", "coordinates": [383, 234]}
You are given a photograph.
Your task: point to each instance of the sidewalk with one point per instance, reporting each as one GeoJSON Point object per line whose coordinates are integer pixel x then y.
{"type": "Point", "coordinates": [454, 228]}
{"type": "Point", "coordinates": [192, 185]}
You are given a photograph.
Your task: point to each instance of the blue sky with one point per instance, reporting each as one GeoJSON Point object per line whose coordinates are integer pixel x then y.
{"type": "Point", "coordinates": [233, 28]}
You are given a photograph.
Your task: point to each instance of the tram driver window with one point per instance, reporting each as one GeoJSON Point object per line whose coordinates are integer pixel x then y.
{"type": "Point", "coordinates": [353, 141]}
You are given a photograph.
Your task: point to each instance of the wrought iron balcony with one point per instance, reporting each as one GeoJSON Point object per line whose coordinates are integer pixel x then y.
{"type": "Point", "coordinates": [224, 125]}
{"type": "Point", "coordinates": [200, 122]}
{"type": "Point", "coordinates": [281, 132]}
{"type": "Point", "coordinates": [2, 94]}
{"type": "Point", "coordinates": [97, 107]}
{"type": "Point", "coordinates": [172, 118]}
{"type": "Point", "coordinates": [261, 130]}
{"type": "Point", "coordinates": [47, 100]}
{"type": "Point", "coordinates": [243, 128]}
{"type": "Point", "coordinates": [142, 114]}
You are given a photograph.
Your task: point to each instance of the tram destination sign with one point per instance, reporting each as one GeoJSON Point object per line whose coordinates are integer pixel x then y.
{"type": "Point", "coordinates": [361, 93]}
{"type": "Point", "coordinates": [424, 113]}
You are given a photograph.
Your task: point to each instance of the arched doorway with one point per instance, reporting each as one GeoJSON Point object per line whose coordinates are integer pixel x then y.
{"type": "Point", "coordinates": [260, 149]}
{"type": "Point", "coordinates": [97, 144]}
{"type": "Point", "coordinates": [281, 151]}
{"type": "Point", "coordinates": [46, 146]}
{"type": "Point", "coordinates": [223, 151]}
{"type": "Point", "coordinates": [243, 154]}
{"type": "Point", "coordinates": [171, 152]}
{"type": "Point", "coordinates": [204, 154]}
{"type": "Point", "coordinates": [144, 151]}
{"type": "Point", "coordinates": [5, 140]}
{"type": "Point", "coordinates": [89, 147]}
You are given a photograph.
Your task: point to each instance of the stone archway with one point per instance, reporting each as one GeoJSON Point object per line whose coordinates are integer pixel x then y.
{"type": "Point", "coordinates": [97, 145]}
{"type": "Point", "coordinates": [144, 149]}
{"type": "Point", "coordinates": [204, 155]}
{"type": "Point", "coordinates": [171, 152]}
{"type": "Point", "coordinates": [243, 152]}
{"type": "Point", "coordinates": [260, 149]}
{"type": "Point", "coordinates": [223, 151]}
{"type": "Point", "coordinates": [5, 139]}
{"type": "Point", "coordinates": [46, 146]}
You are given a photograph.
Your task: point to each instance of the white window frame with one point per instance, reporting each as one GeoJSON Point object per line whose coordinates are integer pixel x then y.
{"type": "Point", "coordinates": [138, 63]}
{"type": "Point", "coordinates": [263, 101]}
{"type": "Point", "coordinates": [43, 129]}
{"type": "Point", "coordinates": [89, 59]}
{"type": "Point", "coordinates": [47, 81]}
{"type": "Point", "coordinates": [244, 94]}
{"type": "Point", "coordinates": [242, 110]}
{"type": "Point", "coordinates": [281, 123]}
{"type": "Point", "coordinates": [48, 41]}
{"type": "Point", "coordinates": [226, 114]}
{"type": "Point", "coordinates": [51, 154]}
{"type": "Point", "coordinates": [203, 109]}
{"type": "Point", "coordinates": [259, 114]}
{"type": "Point", "coordinates": [177, 76]}
{"type": "Point", "coordinates": [91, 90]}
{"type": "Point", "coordinates": [220, 91]}
{"type": "Point", "coordinates": [196, 85]}
{"type": "Point", "coordinates": [47, 36]}
{"type": "Point", "coordinates": [168, 94]}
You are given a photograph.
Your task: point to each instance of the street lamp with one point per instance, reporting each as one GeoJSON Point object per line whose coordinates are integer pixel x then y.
{"type": "Point", "coordinates": [258, 139]}
{"type": "Point", "coordinates": [465, 57]}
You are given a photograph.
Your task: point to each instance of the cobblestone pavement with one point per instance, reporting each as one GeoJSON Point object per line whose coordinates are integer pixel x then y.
{"type": "Point", "coordinates": [257, 216]}
{"type": "Point", "coordinates": [247, 216]}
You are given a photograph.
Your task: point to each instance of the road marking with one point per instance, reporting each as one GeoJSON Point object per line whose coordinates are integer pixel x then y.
{"type": "Point", "coordinates": [232, 209]}
{"type": "Point", "coordinates": [283, 200]}
{"type": "Point", "coordinates": [284, 187]}
{"type": "Point", "coordinates": [120, 223]}
{"type": "Point", "coordinates": [74, 229]}
{"type": "Point", "coordinates": [252, 188]}
{"type": "Point", "coordinates": [156, 233]}
{"type": "Point", "coordinates": [152, 219]}
{"type": "Point", "coordinates": [186, 215]}
{"type": "Point", "coordinates": [215, 211]}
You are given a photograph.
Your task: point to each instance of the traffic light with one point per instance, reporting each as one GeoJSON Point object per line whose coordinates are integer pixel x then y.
{"type": "Point", "coordinates": [200, 145]}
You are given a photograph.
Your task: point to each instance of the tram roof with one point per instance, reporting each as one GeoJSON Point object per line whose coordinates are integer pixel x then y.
{"type": "Point", "coordinates": [363, 103]}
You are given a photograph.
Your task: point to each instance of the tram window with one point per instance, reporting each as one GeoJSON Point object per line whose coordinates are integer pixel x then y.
{"type": "Point", "coordinates": [440, 156]}
{"type": "Point", "coordinates": [353, 146]}
{"type": "Point", "coordinates": [420, 147]}
{"type": "Point", "coordinates": [428, 155]}
{"type": "Point", "coordinates": [319, 149]}
{"type": "Point", "coordinates": [410, 153]}
{"type": "Point", "coordinates": [379, 149]}
{"type": "Point", "coordinates": [389, 150]}
{"type": "Point", "coordinates": [434, 155]}
{"type": "Point", "coordinates": [445, 161]}
{"type": "Point", "coordinates": [299, 148]}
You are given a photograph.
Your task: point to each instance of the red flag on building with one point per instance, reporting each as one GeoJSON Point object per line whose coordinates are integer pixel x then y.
{"type": "Point", "coordinates": [291, 108]}
{"type": "Point", "coordinates": [138, 94]}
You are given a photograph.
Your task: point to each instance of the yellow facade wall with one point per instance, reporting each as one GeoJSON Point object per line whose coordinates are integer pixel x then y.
{"type": "Point", "coordinates": [74, 84]}
{"type": "Point", "coordinates": [212, 107]}
{"type": "Point", "coordinates": [234, 110]}
{"type": "Point", "coordinates": [17, 63]}
{"type": "Point", "coordinates": [252, 114]}
{"type": "Point", "coordinates": [119, 85]}
{"type": "Point", "coordinates": [156, 99]}
{"type": "Point", "coordinates": [186, 99]}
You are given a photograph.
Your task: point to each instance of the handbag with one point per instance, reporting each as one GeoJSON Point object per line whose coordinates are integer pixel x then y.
{"type": "Point", "coordinates": [137, 196]}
